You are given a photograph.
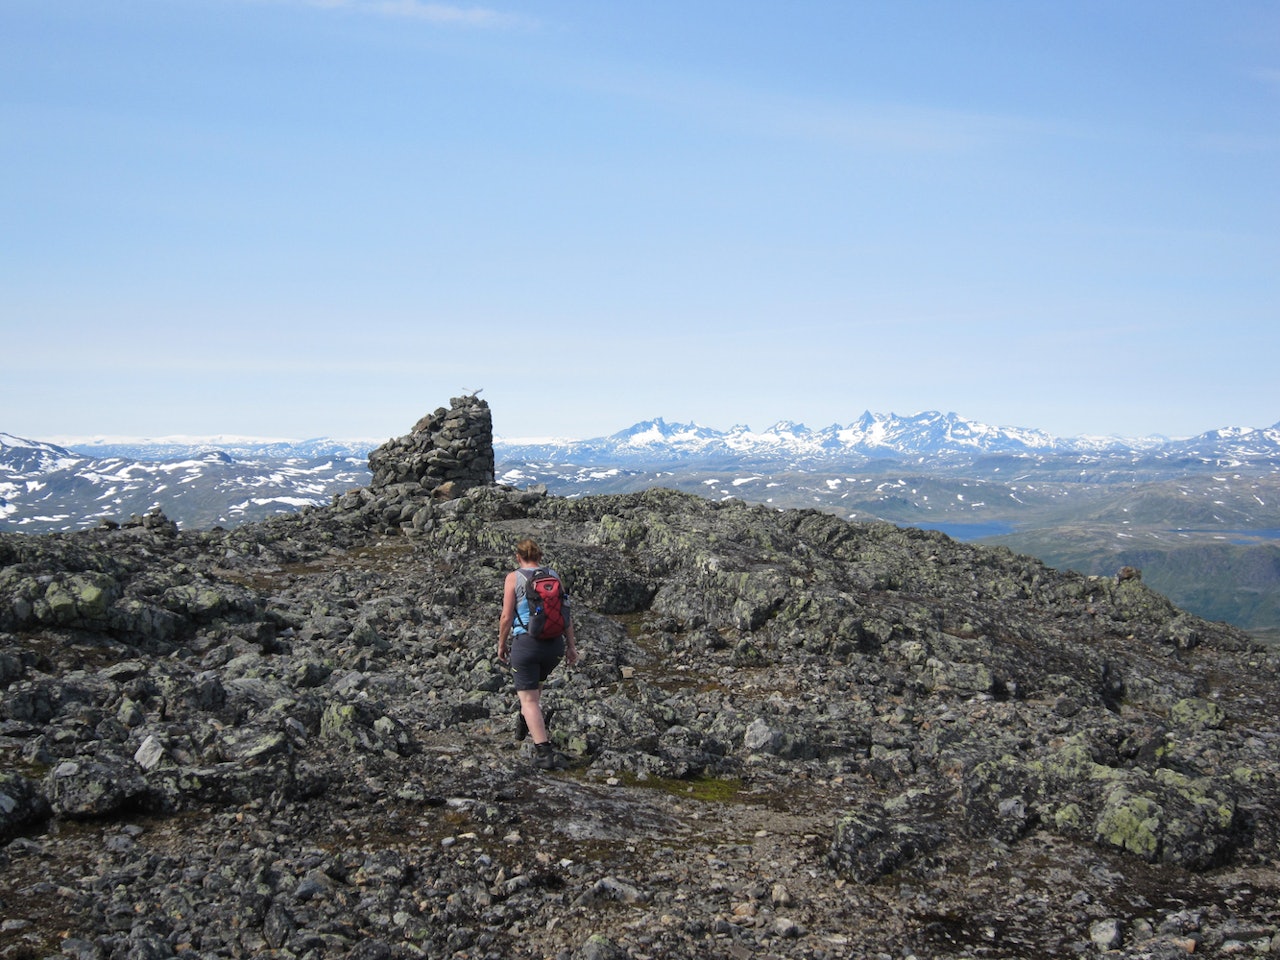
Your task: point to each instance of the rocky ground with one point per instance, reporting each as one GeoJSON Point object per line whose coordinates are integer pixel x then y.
{"type": "Point", "coordinates": [789, 736]}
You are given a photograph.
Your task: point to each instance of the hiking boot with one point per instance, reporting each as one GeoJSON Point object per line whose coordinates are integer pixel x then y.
{"type": "Point", "coordinates": [522, 728]}
{"type": "Point", "coordinates": [544, 757]}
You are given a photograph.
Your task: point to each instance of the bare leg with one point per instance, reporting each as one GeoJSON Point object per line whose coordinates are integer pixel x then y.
{"type": "Point", "coordinates": [531, 709]}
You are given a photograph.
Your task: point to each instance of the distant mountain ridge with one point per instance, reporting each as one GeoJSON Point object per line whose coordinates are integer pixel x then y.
{"type": "Point", "coordinates": [221, 480]}
{"type": "Point", "coordinates": [879, 436]}
{"type": "Point", "coordinates": [46, 487]}
{"type": "Point", "coordinates": [169, 448]}
{"type": "Point", "coordinates": [871, 436]}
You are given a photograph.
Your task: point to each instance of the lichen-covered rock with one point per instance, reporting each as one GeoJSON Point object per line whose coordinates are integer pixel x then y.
{"type": "Point", "coordinates": [872, 842]}
{"type": "Point", "coordinates": [94, 788]}
{"type": "Point", "coordinates": [81, 599]}
{"type": "Point", "coordinates": [22, 803]}
{"type": "Point", "coordinates": [1197, 714]}
{"type": "Point", "coordinates": [362, 726]}
{"type": "Point", "coordinates": [1131, 821]}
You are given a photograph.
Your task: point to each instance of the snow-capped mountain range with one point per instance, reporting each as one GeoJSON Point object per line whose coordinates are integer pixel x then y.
{"type": "Point", "coordinates": [933, 436]}
{"type": "Point", "coordinates": [47, 487]}
{"type": "Point", "coordinates": [206, 481]}
{"type": "Point", "coordinates": [178, 447]}
{"type": "Point", "coordinates": [928, 434]}
{"type": "Point", "coordinates": [872, 435]}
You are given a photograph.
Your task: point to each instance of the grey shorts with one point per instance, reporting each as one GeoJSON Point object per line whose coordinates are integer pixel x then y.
{"type": "Point", "coordinates": [533, 660]}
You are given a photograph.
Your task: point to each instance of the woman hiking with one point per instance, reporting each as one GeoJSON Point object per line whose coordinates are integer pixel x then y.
{"type": "Point", "coordinates": [532, 659]}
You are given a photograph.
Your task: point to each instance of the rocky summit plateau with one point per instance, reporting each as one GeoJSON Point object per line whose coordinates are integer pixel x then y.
{"type": "Point", "coordinates": [790, 735]}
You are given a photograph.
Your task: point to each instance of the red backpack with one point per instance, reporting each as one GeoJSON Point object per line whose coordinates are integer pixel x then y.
{"type": "Point", "coordinates": [544, 595]}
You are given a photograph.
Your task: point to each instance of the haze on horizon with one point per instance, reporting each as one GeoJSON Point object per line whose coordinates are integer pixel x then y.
{"type": "Point", "coordinates": [303, 218]}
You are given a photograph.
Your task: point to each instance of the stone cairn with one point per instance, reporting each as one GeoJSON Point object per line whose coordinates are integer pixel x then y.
{"type": "Point", "coordinates": [446, 453]}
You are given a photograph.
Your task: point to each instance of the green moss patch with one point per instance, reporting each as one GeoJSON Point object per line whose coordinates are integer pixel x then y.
{"type": "Point", "coordinates": [704, 789]}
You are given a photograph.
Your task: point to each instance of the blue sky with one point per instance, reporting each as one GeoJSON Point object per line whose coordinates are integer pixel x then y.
{"type": "Point", "coordinates": [300, 218]}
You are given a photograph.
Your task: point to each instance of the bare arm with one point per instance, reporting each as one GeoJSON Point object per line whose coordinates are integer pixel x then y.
{"type": "Point", "coordinates": [570, 644]}
{"type": "Point", "coordinates": [508, 615]}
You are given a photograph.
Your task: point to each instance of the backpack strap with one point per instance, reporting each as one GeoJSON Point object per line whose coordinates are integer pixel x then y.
{"type": "Point", "coordinates": [526, 575]}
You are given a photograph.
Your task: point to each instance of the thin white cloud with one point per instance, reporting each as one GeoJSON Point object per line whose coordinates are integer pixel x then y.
{"type": "Point", "coordinates": [889, 126]}
{"type": "Point", "coordinates": [1239, 143]}
{"type": "Point", "coordinates": [443, 13]}
{"type": "Point", "coordinates": [1268, 75]}
{"type": "Point", "coordinates": [861, 126]}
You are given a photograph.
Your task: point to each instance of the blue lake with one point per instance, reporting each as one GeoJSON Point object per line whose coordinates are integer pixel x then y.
{"type": "Point", "coordinates": [1237, 536]}
{"type": "Point", "coordinates": [969, 531]}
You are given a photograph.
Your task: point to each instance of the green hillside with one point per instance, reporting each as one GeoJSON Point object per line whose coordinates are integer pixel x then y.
{"type": "Point", "coordinates": [1238, 582]}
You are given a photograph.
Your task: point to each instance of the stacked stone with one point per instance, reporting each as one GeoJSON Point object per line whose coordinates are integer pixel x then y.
{"type": "Point", "coordinates": [447, 452]}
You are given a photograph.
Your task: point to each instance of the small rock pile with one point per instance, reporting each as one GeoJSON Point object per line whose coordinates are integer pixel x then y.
{"type": "Point", "coordinates": [425, 474]}
{"type": "Point", "coordinates": [447, 453]}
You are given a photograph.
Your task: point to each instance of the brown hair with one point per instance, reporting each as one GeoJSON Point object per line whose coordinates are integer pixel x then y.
{"type": "Point", "coordinates": [528, 551]}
